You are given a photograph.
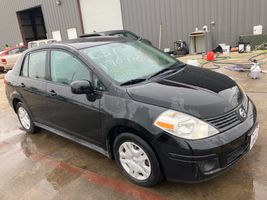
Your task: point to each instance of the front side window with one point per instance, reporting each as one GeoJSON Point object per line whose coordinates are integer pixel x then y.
{"type": "Point", "coordinates": [128, 60]}
{"type": "Point", "coordinates": [37, 62]}
{"type": "Point", "coordinates": [65, 68]}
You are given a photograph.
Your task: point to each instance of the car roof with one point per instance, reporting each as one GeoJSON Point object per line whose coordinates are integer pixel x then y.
{"type": "Point", "coordinates": [106, 33]}
{"type": "Point", "coordinates": [116, 31]}
{"type": "Point", "coordinates": [91, 35]}
{"type": "Point", "coordinates": [82, 43]}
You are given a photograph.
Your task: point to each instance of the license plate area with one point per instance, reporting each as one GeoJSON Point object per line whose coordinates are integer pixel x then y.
{"type": "Point", "coordinates": [254, 137]}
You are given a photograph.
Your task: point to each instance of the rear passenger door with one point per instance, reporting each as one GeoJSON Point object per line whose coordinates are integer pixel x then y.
{"type": "Point", "coordinates": [32, 84]}
{"type": "Point", "coordinates": [70, 112]}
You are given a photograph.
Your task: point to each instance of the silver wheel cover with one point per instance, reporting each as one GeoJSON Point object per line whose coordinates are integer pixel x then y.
{"type": "Point", "coordinates": [24, 118]}
{"type": "Point", "coordinates": [134, 161]}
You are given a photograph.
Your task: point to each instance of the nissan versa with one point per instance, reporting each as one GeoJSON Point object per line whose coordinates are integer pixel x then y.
{"type": "Point", "coordinates": [157, 117]}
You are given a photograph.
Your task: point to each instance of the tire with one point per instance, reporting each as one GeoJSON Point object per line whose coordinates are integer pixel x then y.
{"type": "Point", "coordinates": [137, 160]}
{"type": "Point", "coordinates": [28, 124]}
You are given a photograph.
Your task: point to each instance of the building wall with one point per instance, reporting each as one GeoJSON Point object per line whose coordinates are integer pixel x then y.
{"type": "Point", "coordinates": [180, 17]}
{"type": "Point", "coordinates": [101, 15]}
{"type": "Point", "coordinates": [56, 18]}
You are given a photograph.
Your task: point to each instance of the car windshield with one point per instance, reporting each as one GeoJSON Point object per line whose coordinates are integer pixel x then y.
{"type": "Point", "coordinates": [129, 60]}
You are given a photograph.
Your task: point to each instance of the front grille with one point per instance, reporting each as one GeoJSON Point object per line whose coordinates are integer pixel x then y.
{"type": "Point", "coordinates": [225, 121]}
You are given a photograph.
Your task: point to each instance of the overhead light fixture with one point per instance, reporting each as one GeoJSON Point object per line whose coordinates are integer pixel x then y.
{"type": "Point", "coordinates": [58, 2]}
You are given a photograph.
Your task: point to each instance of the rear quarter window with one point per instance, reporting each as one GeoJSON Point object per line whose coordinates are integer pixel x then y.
{"type": "Point", "coordinates": [24, 69]}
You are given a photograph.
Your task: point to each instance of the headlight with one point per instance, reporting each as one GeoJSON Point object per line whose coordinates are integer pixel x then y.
{"type": "Point", "coordinates": [184, 126]}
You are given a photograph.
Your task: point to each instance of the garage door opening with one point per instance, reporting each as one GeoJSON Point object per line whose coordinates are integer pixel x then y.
{"type": "Point", "coordinates": [32, 24]}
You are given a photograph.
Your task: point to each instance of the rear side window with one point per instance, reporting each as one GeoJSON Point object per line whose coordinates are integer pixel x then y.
{"type": "Point", "coordinates": [37, 62]}
{"type": "Point", "coordinates": [24, 70]}
{"type": "Point", "coordinates": [65, 68]}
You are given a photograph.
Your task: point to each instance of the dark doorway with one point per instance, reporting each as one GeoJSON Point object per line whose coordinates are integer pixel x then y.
{"type": "Point", "coordinates": [32, 24]}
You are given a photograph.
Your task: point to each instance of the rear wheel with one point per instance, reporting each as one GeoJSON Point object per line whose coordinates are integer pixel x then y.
{"type": "Point", "coordinates": [137, 160]}
{"type": "Point", "coordinates": [25, 118]}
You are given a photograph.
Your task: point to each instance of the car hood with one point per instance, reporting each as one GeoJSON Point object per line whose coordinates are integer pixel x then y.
{"type": "Point", "coordinates": [196, 91]}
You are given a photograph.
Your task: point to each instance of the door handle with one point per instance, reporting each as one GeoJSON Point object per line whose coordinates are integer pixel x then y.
{"type": "Point", "coordinates": [22, 85]}
{"type": "Point", "coordinates": [52, 93]}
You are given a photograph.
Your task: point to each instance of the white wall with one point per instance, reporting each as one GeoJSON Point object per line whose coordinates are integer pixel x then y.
{"type": "Point", "coordinates": [101, 15]}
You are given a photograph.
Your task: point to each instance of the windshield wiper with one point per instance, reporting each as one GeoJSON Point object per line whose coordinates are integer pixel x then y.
{"type": "Point", "coordinates": [173, 68]}
{"type": "Point", "coordinates": [133, 81]}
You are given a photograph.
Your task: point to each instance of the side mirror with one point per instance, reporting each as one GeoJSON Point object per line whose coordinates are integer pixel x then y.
{"type": "Point", "coordinates": [81, 87]}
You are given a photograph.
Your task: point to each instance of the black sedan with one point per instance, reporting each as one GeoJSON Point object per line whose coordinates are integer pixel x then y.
{"type": "Point", "coordinates": [157, 117]}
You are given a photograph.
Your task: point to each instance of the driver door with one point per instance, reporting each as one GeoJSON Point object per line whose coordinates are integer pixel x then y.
{"type": "Point", "coordinates": [71, 113]}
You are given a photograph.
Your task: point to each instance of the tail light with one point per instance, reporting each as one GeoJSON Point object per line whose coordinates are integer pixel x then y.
{"type": "Point", "coordinates": [3, 61]}
{"type": "Point", "coordinates": [4, 53]}
{"type": "Point", "coordinates": [5, 82]}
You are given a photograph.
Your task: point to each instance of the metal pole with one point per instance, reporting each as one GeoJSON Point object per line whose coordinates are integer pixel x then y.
{"type": "Point", "coordinates": [160, 35]}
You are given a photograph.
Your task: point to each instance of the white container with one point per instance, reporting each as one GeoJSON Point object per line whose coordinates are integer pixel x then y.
{"type": "Point", "coordinates": [222, 44]}
{"type": "Point", "coordinates": [255, 71]}
{"type": "Point", "coordinates": [226, 49]}
{"type": "Point", "coordinates": [257, 30]}
{"type": "Point", "coordinates": [167, 50]}
{"type": "Point", "coordinates": [248, 48]}
{"type": "Point", "coordinates": [193, 63]}
{"type": "Point", "coordinates": [241, 48]}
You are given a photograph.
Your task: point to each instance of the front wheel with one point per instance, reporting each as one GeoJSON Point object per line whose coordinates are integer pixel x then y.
{"type": "Point", "coordinates": [137, 160]}
{"type": "Point", "coordinates": [25, 118]}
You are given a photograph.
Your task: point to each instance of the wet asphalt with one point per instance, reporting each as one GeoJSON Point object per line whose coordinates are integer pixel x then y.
{"type": "Point", "coordinates": [47, 166]}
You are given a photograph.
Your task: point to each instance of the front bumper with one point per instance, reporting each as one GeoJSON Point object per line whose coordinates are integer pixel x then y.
{"type": "Point", "coordinates": [199, 160]}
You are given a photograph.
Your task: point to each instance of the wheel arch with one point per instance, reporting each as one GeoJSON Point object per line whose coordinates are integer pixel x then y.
{"type": "Point", "coordinates": [15, 102]}
{"type": "Point", "coordinates": [126, 127]}
{"type": "Point", "coordinates": [15, 99]}
{"type": "Point", "coordinates": [137, 130]}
